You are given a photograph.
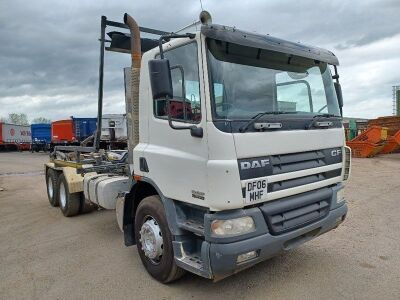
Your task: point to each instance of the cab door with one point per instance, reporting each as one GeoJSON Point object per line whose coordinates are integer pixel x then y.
{"type": "Point", "coordinates": [176, 160]}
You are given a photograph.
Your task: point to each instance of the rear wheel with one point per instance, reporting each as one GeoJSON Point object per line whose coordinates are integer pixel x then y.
{"type": "Point", "coordinates": [69, 202]}
{"type": "Point", "coordinates": [154, 241]}
{"type": "Point", "coordinates": [51, 185]}
{"type": "Point", "coordinates": [85, 206]}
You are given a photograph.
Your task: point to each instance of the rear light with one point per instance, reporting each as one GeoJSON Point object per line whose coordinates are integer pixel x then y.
{"type": "Point", "coordinates": [347, 163]}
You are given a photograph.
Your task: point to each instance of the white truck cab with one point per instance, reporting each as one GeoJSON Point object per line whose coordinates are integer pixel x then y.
{"type": "Point", "coordinates": [236, 150]}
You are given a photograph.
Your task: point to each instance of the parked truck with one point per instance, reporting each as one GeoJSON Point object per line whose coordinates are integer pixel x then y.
{"type": "Point", "coordinates": [114, 134]}
{"type": "Point", "coordinates": [15, 137]}
{"type": "Point", "coordinates": [236, 149]}
{"type": "Point", "coordinates": [41, 137]}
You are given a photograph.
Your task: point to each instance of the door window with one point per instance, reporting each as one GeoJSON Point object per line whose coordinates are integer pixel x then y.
{"type": "Point", "coordinates": [185, 104]}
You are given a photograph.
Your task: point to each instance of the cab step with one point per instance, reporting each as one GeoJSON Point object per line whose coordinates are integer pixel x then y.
{"type": "Point", "coordinates": [194, 226]}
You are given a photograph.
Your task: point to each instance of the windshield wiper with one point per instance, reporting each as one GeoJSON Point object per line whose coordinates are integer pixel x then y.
{"type": "Point", "coordinates": [316, 121]}
{"type": "Point", "coordinates": [256, 117]}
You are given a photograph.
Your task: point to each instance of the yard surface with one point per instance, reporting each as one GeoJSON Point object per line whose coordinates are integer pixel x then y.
{"type": "Point", "coordinates": [44, 255]}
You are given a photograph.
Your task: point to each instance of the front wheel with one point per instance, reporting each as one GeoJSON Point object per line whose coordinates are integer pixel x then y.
{"type": "Point", "coordinates": [154, 241]}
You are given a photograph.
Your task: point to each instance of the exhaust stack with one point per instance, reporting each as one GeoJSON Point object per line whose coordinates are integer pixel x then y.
{"type": "Point", "coordinates": [133, 109]}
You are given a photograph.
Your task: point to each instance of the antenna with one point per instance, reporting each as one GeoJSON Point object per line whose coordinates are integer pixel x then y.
{"type": "Point", "coordinates": [201, 5]}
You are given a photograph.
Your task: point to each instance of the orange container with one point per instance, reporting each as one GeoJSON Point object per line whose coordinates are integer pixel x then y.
{"type": "Point", "coordinates": [397, 137]}
{"type": "Point", "coordinates": [374, 134]}
{"type": "Point", "coordinates": [62, 131]}
{"type": "Point", "coordinates": [393, 144]}
{"type": "Point", "coordinates": [390, 146]}
{"type": "Point", "coordinates": [364, 149]}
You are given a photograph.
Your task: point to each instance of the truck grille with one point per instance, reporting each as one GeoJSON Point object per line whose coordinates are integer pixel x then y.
{"type": "Point", "coordinates": [296, 211]}
{"type": "Point", "coordinates": [285, 163]}
{"type": "Point", "coordinates": [292, 162]}
{"type": "Point", "coordinates": [287, 184]}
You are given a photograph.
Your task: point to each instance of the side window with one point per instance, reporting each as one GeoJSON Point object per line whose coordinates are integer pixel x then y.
{"type": "Point", "coordinates": [185, 104]}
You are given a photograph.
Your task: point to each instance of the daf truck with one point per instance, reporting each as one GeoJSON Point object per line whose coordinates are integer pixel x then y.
{"type": "Point", "coordinates": [236, 149]}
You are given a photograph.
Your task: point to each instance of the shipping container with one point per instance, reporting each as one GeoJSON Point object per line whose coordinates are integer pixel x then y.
{"type": "Point", "coordinates": [62, 131]}
{"type": "Point", "coordinates": [71, 131]}
{"type": "Point", "coordinates": [84, 127]}
{"type": "Point", "coordinates": [41, 137]}
{"type": "Point", "coordinates": [15, 137]}
{"type": "Point", "coordinates": [41, 132]}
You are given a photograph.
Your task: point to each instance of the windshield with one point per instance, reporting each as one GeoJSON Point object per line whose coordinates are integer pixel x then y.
{"type": "Point", "coordinates": [246, 81]}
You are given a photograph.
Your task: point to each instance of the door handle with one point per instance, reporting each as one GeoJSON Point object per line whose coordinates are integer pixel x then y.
{"type": "Point", "coordinates": [196, 131]}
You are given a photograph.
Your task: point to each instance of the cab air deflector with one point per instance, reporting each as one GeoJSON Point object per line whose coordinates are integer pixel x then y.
{"type": "Point", "coordinates": [233, 35]}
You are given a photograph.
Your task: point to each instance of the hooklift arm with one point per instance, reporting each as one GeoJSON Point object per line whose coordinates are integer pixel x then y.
{"type": "Point", "coordinates": [123, 43]}
{"type": "Point", "coordinates": [119, 42]}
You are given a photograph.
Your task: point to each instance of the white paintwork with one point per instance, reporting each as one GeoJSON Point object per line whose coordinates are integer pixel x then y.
{"type": "Point", "coordinates": [253, 144]}
{"type": "Point", "coordinates": [179, 163]}
{"type": "Point", "coordinates": [103, 190]}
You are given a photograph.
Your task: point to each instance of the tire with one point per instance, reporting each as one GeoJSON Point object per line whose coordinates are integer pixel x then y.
{"type": "Point", "coordinates": [163, 269]}
{"type": "Point", "coordinates": [86, 207]}
{"type": "Point", "coordinates": [51, 187]}
{"type": "Point", "coordinates": [69, 203]}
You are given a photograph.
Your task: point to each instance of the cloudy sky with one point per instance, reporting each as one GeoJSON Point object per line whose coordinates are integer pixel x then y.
{"type": "Point", "coordinates": [49, 50]}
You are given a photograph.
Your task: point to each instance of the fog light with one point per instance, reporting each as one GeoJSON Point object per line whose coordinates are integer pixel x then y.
{"type": "Point", "coordinates": [340, 196]}
{"type": "Point", "coordinates": [246, 256]}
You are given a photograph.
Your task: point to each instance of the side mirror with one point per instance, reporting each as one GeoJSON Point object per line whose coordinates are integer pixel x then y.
{"type": "Point", "coordinates": [339, 95]}
{"type": "Point", "coordinates": [160, 78]}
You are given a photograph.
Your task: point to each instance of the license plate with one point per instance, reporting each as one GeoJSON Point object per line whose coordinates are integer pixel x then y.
{"type": "Point", "coordinates": [256, 190]}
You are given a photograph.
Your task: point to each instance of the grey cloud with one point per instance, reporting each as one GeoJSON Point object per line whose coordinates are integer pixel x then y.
{"type": "Point", "coordinates": [49, 49]}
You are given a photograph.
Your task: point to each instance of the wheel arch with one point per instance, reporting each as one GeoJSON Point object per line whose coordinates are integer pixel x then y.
{"type": "Point", "coordinates": [74, 180]}
{"type": "Point", "coordinates": [140, 190]}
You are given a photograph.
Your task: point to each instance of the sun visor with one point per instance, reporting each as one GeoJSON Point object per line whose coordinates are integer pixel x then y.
{"type": "Point", "coordinates": [232, 35]}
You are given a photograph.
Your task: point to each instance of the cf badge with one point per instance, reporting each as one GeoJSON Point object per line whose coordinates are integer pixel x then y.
{"type": "Point", "coordinates": [336, 152]}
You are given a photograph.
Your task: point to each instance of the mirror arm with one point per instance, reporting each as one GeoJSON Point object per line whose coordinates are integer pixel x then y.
{"type": "Point", "coordinates": [194, 130]}
{"type": "Point", "coordinates": [336, 77]}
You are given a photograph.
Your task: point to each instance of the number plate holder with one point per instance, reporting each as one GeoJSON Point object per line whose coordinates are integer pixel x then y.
{"type": "Point", "coordinates": [256, 190]}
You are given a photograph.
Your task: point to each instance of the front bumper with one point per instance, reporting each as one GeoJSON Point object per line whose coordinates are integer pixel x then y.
{"type": "Point", "coordinates": [223, 257]}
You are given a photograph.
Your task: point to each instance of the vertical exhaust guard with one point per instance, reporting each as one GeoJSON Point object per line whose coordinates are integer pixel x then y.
{"type": "Point", "coordinates": [133, 109]}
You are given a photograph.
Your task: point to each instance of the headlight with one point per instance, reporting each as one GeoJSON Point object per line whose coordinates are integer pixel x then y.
{"type": "Point", "coordinates": [233, 227]}
{"type": "Point", "coordinates": [340, 196]}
